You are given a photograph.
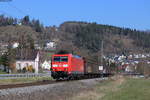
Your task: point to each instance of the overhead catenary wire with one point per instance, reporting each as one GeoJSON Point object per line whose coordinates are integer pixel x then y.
{"type": "Point", "coordinates": [6, 0]}
{"type": "Point", "coordinates": [19, 10]}
{"type": "Point", "coordinates": [14, 7]}
{"type": "Point", "coordinates": [4, 12]}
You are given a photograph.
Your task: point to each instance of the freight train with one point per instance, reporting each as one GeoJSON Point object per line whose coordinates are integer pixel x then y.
{"type": "Point", "coordinates": [69, 66]}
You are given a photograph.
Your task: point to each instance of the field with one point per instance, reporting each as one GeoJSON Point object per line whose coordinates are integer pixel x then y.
{"type": "Point", "coordinates": [2, 72]}
{"type": "Point", "coordinates": [23, 80]}
{"type": "Point", "coordinates": [121, 89]}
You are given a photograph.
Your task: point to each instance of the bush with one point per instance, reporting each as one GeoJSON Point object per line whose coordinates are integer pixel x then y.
{"type": "Point", "coordinates": [24, 70]}
{"type": "Point", "coordinates": [30, 68]}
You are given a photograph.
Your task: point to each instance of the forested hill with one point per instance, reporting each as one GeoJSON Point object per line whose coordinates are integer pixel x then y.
{"type": "Point", "coordinates": [115, 39]}
{"type": "Point", "coordinates": [78, 37]}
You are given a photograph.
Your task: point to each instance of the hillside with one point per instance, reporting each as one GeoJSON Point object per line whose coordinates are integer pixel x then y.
{"type": "Point", "coordinates": [13, 33]}
{"type": "Point", "coordinates": [78, 37]}
{"type": "Point", "coordinates": [116, 40]}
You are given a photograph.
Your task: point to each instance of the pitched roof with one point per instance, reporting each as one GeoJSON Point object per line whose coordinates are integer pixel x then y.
{"type": "Point", "coordinates": [26, 54]}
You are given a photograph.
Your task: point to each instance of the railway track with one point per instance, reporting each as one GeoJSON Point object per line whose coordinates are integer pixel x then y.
{"type": "Point", "coordinates": [44, 82]}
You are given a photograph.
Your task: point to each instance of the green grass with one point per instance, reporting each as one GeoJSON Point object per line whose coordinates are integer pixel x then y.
{"type": "Point", "coordinates": [121, 89]}
{"type": "Point", "coordinates": [23, 80]}
{"type": "Point", "coordinates": [2, 72]}
{"type": "Point", "coordinates": [131, 89]}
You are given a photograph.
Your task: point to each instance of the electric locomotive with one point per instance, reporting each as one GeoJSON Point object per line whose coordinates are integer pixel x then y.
{"type": "Point", "coordinates": [67, 66]}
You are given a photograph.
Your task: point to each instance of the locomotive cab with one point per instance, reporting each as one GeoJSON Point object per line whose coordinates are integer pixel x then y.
{"type": "Point", "coordinates": [60, 66]}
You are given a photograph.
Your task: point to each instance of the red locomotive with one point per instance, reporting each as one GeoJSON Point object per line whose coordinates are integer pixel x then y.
{"type": "Point", "coordinates": [68, 66]}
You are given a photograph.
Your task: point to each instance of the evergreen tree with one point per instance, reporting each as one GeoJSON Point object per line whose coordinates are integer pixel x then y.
{"type": "Point", "coordinates": [26, 20]}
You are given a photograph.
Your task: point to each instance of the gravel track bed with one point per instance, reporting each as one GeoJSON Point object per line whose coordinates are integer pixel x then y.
{"type": "Point", "coordinates": [44, 82]}
{"type": "Point", "coordinates": [59, 91]}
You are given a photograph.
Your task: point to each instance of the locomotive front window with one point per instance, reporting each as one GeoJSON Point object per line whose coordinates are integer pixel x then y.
{"type": "Point", "coordinates": [56, 59]}
{"type": "Point", "coordinates": [61, 59]}
{"type": "Point", "coordinates": [64, 59]}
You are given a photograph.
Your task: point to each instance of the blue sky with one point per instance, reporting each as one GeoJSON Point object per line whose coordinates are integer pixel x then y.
{"type": "Point", "coordinates": [122, 13]}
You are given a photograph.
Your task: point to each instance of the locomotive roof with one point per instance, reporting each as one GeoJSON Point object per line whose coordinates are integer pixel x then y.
{"type": "Point", "coordinates": [61, 54]}
{"type": "Point", "coordinates": [76, 56]}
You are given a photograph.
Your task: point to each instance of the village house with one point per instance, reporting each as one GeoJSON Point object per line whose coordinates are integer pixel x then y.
{"type": "Point", "coordinates": [130, 57]}
{"type": "Point", "coordinates": [136, 56]}
{"type": "Point", "coordinates": [15, 45]}
{"type": "Point", "coordinates": [46, 65]}
{"type": "Point", "coordinates": [130, 68]}
{"type": "Point", "coordinates": [37, 46]}
{"type": "Point", "coordinates": [27, 58]}
{"type": "Point", "coordinates": [3, 48]}
{"type": "Point", "coordinates": [50, 45]}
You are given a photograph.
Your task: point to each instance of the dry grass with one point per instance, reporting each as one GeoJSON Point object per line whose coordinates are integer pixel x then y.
{"type": "Point", "coordinates": [118, 88]}
{"type": "Point", "coordinates": [98, 92]}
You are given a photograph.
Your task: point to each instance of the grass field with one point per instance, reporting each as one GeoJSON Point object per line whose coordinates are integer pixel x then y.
{"type": "Point", "coordinates": [2, 72]}
{"type": "Point", "coordinates": [23, 80]}
{"type": "Point", "coordinates": [120, 89]}
{"type": "Point", "coordinates": [130, 89]}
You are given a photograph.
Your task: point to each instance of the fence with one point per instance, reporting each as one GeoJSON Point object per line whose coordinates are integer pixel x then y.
{"type": "Point", "coordinates": [14, 76]}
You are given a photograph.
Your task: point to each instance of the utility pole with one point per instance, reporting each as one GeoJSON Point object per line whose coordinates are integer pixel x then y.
{"type": "Point", "coordinates": [100, 57]}
{"type": "Point", "coordinates": [102, 53]}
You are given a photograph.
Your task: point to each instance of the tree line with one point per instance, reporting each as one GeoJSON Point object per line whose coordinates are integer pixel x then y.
{"type": "Point", "coordinates": [5, 21]}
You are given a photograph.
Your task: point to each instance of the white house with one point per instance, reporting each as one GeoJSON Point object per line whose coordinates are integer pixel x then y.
{"type": "Point", "coordinates": [28, 58]}
{"type": "Point", "coordinates": [143, 56]}
{"type": "Point", "coordinates": [37, 46]}
{"type": "Point", "coordinates": [136, 56]}
{"type": "Point", "coordinates": [15, 45]}
{"type": "Point", "coordinates": [46, 65]}
{"type": "Point", "coordinates": [148, 62]}
{"type": "Point", "coordinates": [129, 68]}
{"type": "Point", "coordinates": [130, 56]}
{"type": "Point", "coordinates": [50, 45]}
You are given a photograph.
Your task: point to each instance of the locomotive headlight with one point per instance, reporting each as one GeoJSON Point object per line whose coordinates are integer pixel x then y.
{"type": "Point", "coordinates": [65, 65]}
{"type": "Point", "coordinates": [55, 65]}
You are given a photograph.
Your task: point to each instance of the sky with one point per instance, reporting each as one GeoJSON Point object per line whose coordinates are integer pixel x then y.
{"type": "Point", "coordinates": [134, 14]}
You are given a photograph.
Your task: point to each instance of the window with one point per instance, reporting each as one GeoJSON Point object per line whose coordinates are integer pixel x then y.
{"type": "Point", "coordinates": [64, 59]}
{"type": "Point", "coordinates": [56, 59]}
{"type": "Point", "coordinates": [61, 59]}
